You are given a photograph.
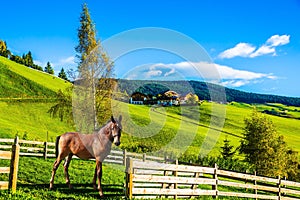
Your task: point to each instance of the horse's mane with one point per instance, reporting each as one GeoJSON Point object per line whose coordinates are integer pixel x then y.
{"type": "Point", "coordinates": [97, 130]}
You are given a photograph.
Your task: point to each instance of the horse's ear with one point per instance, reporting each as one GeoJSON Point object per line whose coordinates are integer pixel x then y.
{"type": "Point", "coordinates": [113, 120]}
{"type": "Point", "coordinates": [120, 118]}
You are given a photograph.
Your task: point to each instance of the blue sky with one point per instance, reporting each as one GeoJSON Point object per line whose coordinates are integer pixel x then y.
{"type": "Point", "coordinates": [253, 45]}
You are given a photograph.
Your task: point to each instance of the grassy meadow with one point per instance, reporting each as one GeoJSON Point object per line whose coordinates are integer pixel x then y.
{"type": "Point", "coordinates": [26, 95]}
{"type": "Point", "coordinates": [37, 77]}
{"type": "Point", "coordinates": [34, 175]}
{"type": "Point", "coordinates": [168, 127]}
{"type": "Point", "coordinates": [173, 129]}
{"type": "Point", "coordinates": [30, 120]}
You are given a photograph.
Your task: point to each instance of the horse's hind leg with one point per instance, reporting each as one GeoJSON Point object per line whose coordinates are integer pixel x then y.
{"type": "Point", "coordinates": [55, 166]}
{"type": "Point", "coordinates": [66, 167]}
{"type": "Point", "coordinates": [99, 175]}
{"type": "Point", "coordinates": [95, 178]}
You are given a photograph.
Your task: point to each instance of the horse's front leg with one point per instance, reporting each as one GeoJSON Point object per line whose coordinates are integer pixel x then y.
{"type": "Point", "coordinates": [99, 175]}
{"type": "Point", "coordinates": [66, 170]}
{"type": "Point", "coordinates": [55, 166]}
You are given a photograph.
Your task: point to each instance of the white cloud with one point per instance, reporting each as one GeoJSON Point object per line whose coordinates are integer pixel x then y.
{"type": "Point", "coordinates": [241, 49]}
{"type": "Point", "coordinates": [277, 40]}
{"type": "Point", "coordinates": [211, 72]}
{"type": "Point", "coordinates": [235, 83]}
{"type": "Point", "coordinates": [263, 50]}
{"type": "Point", "coordinates": [250, 51]}
{"type": "Point", "coordinates": [231, 73]}
{"type": "Point", "coordinates": [153, 73]}
{"type": "Point", "coordinates": [69, 60]}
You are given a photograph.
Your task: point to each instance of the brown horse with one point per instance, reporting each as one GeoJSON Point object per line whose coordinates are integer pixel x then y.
{"type": "Point", "coordinates": [87, 146]}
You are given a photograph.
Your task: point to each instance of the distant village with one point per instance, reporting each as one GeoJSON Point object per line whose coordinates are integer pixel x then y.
{"type": "Point", "coordinates": [169, 98]}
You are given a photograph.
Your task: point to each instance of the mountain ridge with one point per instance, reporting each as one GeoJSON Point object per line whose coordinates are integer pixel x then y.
{"type": "Point", "coordinates": [205, 91]}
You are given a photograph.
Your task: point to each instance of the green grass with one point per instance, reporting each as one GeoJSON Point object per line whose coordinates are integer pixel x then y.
{"type": "Point", "coordinates": [31, 119]}
{"type": "Point", "coordinates": [13, 85]}
{"type": "Point", "coordinates": [158, 128]}
{"type": "Point", "coordinates": [147, 129]}
{"type": "Point", "coordinates": [34, 175]}
{"type": "Point", "coordinates": [40, 78]}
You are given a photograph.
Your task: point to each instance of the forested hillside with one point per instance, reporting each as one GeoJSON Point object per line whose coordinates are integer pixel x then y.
{"type": "Point", "coordinates": [203, 90]}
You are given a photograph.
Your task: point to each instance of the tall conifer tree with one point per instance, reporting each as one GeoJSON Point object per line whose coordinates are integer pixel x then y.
{"type": "Point", "coordinates": [94, 66]}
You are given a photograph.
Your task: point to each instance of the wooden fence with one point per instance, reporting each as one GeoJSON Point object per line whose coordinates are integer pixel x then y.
{"type": "Point", "coordinates": [13, 156]}
{"type": "Point", "coordinates": [47, 150]}
{"type": "Point", "coordinates": [146, 179]}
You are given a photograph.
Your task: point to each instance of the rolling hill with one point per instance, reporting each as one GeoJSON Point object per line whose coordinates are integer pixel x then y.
{"type": "Point", "coordinates": [25, 98]}
{"type": "Point", "coordinates": [159, 125]}
{"type": "Point", "coordinates": [19, 81]}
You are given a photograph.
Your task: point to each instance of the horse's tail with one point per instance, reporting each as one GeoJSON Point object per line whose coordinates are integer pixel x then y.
{"type": "Point", "coordinates": [56, 146]}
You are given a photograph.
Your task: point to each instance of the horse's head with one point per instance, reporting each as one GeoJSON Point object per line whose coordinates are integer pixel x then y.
{"type": "Point", "coordinates": [116, 129]}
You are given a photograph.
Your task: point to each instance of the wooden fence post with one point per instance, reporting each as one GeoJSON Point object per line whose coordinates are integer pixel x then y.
{"type": "Point", "coordinates": [45, 150]}
{"type": "Point", "coordinates": [129, 176]}
{"type": "Point", "coordinates": [215, 176]}
{"type": "Point", "coordinates": [144, 157]}
{"type": "Point", "coordinates": [194, 187]}
{"type": "Point", "coordinates": [279, 187]}
{"type": "Point", "coordinates": [284, 186]}
{"type": "Point", "coordinates": [255, 183]}
{"type": "Point", "coordinates": [176, 174]}
{"type": "Point", "coordinates": [14, 163]}
{"type": "Point", "coordinates": [124, 157]}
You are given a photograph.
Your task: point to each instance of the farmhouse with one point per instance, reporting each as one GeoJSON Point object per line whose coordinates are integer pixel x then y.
{"type": "Point", "coordinates": [169, 98]}
{"type": "Point", "coordinates": [138, 98]}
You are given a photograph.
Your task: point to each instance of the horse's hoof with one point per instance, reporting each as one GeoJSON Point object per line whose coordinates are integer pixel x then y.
{"type": "Point", "coordinates": [101, 194]}
{"type": "Point", "coordinates": [95, 187]}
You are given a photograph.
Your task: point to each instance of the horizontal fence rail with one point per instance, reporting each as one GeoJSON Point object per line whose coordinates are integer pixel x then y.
{"type": "Point", "coordinates": [147, 179]}
{"type": "Point", "coordinates": [47, 150]}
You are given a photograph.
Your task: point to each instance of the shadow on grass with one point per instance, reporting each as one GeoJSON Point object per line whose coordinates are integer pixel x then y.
{"type": "Point", "coordinates": [86, 189]}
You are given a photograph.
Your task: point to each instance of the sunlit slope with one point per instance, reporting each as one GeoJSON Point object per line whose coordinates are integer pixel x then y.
{"type": "Point", "coordinates": [18, 78]}
{"type": "Point", "coordinates": [192, 128]}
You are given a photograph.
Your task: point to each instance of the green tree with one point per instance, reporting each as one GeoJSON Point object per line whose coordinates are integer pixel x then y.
{"type": "Point", "coordinates": [48, 69]}
{"type": "Point", "coordinates": [264, 148]}
{"type": "Point", "coordinates": [94, 69]}
{"type": "Point", "coordinates": [63, 107]}
{"type": "Point", "coordinates": [3, 49]}
{"type": "Point", "coordinates": [28, 60]}
{"type": "Point", "coordinates": [193, 99]}
{"type": "Point", "coordinates": [86, 36]}
{"type": "Point", "coordinates": [227, 149]}
{"type": "Point", "coordinates": [63, 75]}
{"type": "Point", "coordinates": [93, 89]}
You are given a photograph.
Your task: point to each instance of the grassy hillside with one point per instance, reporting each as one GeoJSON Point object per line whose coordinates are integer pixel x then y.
{"type": "Point", "coordinates": [147, 129]}
{"type": "Point", "coordinates": [150, 129]}
{"type": "Point", "coordinates": [17, 79]}
{"type": "Point", "coordinates": [30, 120]}
{"type": "Point", "coordinates": [25, 115]}
{"type": "Point", "coordinates": [169, 120]}
{"type": "Point", "coordinates": [13, 85]}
